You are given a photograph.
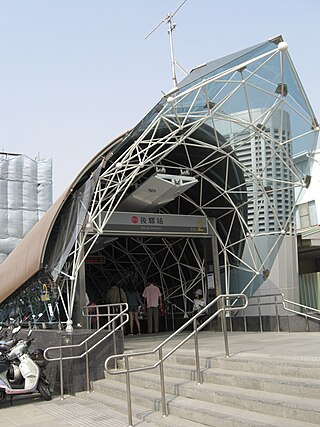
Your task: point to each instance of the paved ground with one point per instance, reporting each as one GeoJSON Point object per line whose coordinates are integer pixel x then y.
{"type": "Point", "coordinates": [75, 411]}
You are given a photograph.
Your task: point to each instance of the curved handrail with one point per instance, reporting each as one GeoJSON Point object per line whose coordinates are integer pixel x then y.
{"type": "Point", "coordinates": [314, 310]}
{"type": "Point", "coordinates": [122, 314]}
{"type": "Point", "coordinates": [222, 300]}
{"type": "Point", "coordinates": [285, 301]}
{"type": "Point", "coordinates": [124, 317]}
{"type": "Point", "coordinates": [92, 311]}
{"type": "Point", "coordinates": [183, 327]}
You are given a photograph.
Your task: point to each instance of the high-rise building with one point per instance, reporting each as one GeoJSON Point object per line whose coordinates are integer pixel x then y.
{"type": "Point", "coordinates": [264, 155]}
{"type": "Point", "coordinates": [25, 195]}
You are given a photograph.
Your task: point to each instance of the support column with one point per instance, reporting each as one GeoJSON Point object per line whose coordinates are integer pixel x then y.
{"type": "Point", "coordinates": [215, 263]}
{"type": "Point", "coordinates": [215, 256]}
{"type": "Point", "coordinates": [80, 296]}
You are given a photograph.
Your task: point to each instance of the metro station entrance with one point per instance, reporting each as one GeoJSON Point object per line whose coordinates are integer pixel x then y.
{"type": "Point", "coordinates": [173, 251]}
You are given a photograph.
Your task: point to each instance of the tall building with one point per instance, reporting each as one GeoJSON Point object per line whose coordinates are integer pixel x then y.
{"type": "Point", "coordinates": [25, 195]}
{"type": "Point", "coordinates": [264, 155]}
{"type": "Point", "coordinates": [308, 230]}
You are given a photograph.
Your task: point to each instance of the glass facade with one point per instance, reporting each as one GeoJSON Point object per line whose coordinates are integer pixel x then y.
{"type": "Point", "coordinates": [234, 125]}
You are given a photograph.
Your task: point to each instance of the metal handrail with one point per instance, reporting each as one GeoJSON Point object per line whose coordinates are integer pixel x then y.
{"type": "Point", "coordinates": [91, 311]}
{"type": "Point", "coordinates": [225, 306]}
{"type": "Point", "coordinates": [307, 316]}
{"type": "Point", "coordinates": [283, 302]}
{"type": "Point", "coordinates": [124, 318]}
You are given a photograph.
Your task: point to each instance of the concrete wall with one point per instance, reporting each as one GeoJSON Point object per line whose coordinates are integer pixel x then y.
{"type": "Point", "coordinates": [74, 371]}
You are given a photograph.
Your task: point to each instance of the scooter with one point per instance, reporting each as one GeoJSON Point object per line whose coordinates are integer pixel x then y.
{"type": "Point", "coordinates": [5, 343]}
{"type": "Point", "coordinates": [21, 372]}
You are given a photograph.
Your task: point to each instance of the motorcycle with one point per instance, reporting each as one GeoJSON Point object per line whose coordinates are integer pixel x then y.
{"type": "Point", "coordinates": [5, 342]}
{"type": "Point", "coordinates": [22, 372]}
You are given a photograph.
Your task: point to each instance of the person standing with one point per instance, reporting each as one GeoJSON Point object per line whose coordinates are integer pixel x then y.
{"type": "Point", "coordinates": [198, 304]}
{"type": "Point", "coordinates": [134, 301]}
{"type": "Point", "coordinates": [116, 295]}
{"type": "Point", "coordinates": [152, 299]}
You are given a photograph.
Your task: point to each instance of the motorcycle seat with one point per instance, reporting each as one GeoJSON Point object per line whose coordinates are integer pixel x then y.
{"type": "Point", "coordinates": [4, 365]}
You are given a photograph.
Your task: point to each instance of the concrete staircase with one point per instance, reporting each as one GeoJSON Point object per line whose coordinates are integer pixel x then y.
{"type": "Point", "coordinates": [240, 391]}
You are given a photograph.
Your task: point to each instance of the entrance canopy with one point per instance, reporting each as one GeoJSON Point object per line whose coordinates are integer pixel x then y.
{"type": "Point", "coordinates": [218, 147]}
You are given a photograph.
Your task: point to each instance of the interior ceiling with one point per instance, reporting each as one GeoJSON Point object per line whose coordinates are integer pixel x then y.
{"type": "Point", "coordinates": [172, 261]}
{"type": "Point", "coordinates": [167, 261]}
{"type": "Point", "coordinates": [215, 171]}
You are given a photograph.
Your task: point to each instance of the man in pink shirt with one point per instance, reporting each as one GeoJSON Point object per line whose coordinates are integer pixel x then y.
{"type": "Point", "coordinates": [152, 299]}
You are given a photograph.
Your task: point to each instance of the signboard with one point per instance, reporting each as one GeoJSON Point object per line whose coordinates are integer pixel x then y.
{"type": "Point", "coordinates": [95, 259]}
{"type": "Point", "coordinates": [210, 280]}
{"type": "Point", "coordinates": [145, 223]}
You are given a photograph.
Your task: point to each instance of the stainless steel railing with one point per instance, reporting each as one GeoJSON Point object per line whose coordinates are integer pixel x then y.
{"type": "Point", "coordinates": [224, 303]}
{"type": "Point", "coordinates": [95, 312]}
{"type": "Point", "coordinates": [277, 300]}
{"type": "Point", "coordinates": [307, 315]}
{"type": "Point", "coordinates": [118, 317]}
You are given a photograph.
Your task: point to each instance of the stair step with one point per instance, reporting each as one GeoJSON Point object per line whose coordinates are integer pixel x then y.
{"type": "Point", "coordinates": [304, 387]}
{"type": "Point", "coordinates": [195, 410]}
{"type": "Point", "coordinates": [255, 400]}
{"type": "Point", "coordinates": [271, 366]}
{"type": "Point", "coordinates": [141, 414]}
{"type": "Point", "coordinates": [274, 366]}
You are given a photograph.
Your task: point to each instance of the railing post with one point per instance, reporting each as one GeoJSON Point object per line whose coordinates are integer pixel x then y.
{"type": "Point", "coordinates": [130, 423]}
{"type": "Point", "coordinates": [108, 317]}
{"type": "Point", "coordinates": [228, 313]}
{"type": "Point", "coordinates": [114, 343]}
{"type": "Point", "coordinates": [307, 322]}
{"type": "Point", "coordinates": [163, 392]}
{"type": "Point", "coordinates": [260, 318]}
{"type": "Point", "coordinates": [87, 317]}
{"type": "Point", "coordinates": [87, 367]}
{"type": "Point", "coordinates": [245, 321]}
{"type": "Point", "coordinates": [121, 317]}
{"type": "Point", "coordinates": [172, 316]}
{"type": "Point", "coordinates": [224, 328]}
{"type": "Point", "coordinates": [277, 312]}
{"type": "Point", "coordinates": [196, 349]}
{"type": "Point", "coordinates": [98, 318]}
{"type": "Point", "coordinates": [61, 376]}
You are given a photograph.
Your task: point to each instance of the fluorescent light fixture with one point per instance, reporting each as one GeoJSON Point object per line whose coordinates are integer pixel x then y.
{"type": "Point", "coordinates": [157, 191]}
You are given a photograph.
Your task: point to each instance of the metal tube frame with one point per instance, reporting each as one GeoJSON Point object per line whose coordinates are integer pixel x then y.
{"type": "Point", "coordinates": [159, 349]}
{"type": "Point", "coordinates": [148, 150]}
{"type": "Point", "coordinates": [121, 315]}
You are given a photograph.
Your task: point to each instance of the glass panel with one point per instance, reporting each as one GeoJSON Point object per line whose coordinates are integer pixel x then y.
{"type": "Point", "coordinates": [223, 64]}
{"type": "Point", "coordinates": [69, 224]}
{"type": "Point", "coordinates": [313, 213]}
{"type": "Point", "coordinates": [296, 93]}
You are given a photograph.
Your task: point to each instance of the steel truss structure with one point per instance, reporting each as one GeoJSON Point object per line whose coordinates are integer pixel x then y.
{"type": "Point", "coordinates": [234, 125]}
{"type": "Point", "coordinates": [235, 129]}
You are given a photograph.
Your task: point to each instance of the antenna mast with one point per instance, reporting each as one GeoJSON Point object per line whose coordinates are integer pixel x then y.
{"type": "Point", "coordinates": [171, 27]}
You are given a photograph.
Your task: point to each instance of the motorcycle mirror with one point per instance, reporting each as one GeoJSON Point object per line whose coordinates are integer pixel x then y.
{"type": "Point", "coordinates": [16, 330]}
{"type": "Point", "coordinates": [29, 333]}
{"type": "Point", "coordinates": [40, 315]}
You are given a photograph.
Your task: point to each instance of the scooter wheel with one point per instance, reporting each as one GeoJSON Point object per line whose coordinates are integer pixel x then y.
{"type": "Point", "coordinates": [44, 390]}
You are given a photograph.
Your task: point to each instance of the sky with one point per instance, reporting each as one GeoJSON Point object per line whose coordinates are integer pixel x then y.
{"type": "Point", "coordinates": [75, 74]}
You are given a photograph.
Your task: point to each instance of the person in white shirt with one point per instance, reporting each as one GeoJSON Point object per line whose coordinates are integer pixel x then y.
{"type": "Point", "coordinates": [198, 304]}
{"type": "Point", "coordinates": [152, 299]}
